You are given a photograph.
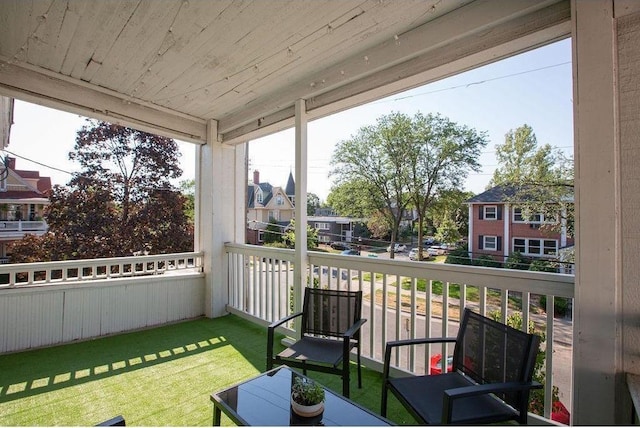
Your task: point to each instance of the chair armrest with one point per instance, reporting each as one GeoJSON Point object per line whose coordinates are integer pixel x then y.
{"type": "Point", "coordinates": [405, 342]}
{"type": "Point", "coordinates": [472, 390]}
{"type": "Point", "coordinates": [270, 333]}
{"type": "Point", "coordinates": [354, 329]}
{"type": "Point", "coordinates": [283, 320]}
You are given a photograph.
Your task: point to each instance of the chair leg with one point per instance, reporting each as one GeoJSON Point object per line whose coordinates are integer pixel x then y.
{"type": "Point", "coordinates": [345, 378]}
{"type": "Point", "coordinates": [383, 407]}
{"type": "Point", "coordinates": [359, 369]}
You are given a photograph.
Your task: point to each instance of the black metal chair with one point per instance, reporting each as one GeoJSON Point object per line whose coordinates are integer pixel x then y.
{"type": "Point", "coordinates": [490, 381]}
{"type": "Point", "coordinates": [330, 329]}
{"type": "Point", "coordinates": [117, 421]}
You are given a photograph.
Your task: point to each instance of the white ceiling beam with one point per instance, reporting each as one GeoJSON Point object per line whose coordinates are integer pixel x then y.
{"type": "Point", "coordinates": [478, 19]}
{"type": "Point", "coordinates": [509, 38]}
{"type": "Point", "coordinates": [51, 90]}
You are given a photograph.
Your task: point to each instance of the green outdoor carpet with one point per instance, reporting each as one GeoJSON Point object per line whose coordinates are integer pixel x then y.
{"type": "Point", "coordinates": [157, 377]}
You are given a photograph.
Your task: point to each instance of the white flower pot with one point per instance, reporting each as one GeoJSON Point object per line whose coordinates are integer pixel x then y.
{"type": "Point", "coordinates": [307, 411]}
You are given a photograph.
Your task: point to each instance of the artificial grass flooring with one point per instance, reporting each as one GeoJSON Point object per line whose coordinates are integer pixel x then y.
{"type": "Point", "coordinates": [158, 377]}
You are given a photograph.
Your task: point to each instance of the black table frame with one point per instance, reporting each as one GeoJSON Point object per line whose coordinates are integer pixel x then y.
{"type": "Point", "coordinates": [347, 414]}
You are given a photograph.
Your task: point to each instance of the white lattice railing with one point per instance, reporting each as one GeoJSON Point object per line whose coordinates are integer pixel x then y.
{"type": "Point", "coordinates": [25, 274]}
{"type": "Point", "coordinates": [431, 295]}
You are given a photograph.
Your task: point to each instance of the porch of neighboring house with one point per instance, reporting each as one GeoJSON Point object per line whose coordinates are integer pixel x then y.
{"type": "Point", "coordinates": [360, 52]}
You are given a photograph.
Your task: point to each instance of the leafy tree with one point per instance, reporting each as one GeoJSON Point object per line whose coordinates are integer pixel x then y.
{"type": "Point", "coordinates": [120, 203]}
{"type": "Point", "coordinates": [450, 206]}
{"type": "Point", "coordinates": [290, 236]}
{"type": "Point", "coordinates": [272, 233]}
{"type": "Point", "coordinates": [402, 160]}
{"type": "Point", "coordinates": [188, 189]}
{"type": "Point", "coordinates": [448, 231]}
{"type": "Point", "coordinates": [352, 198]}
{"type": "Point", "coordinates": [313, 203]}
{"type": "Point", "coordinates": [439, 155]}
{"type": "Point", "coordinates": [543, 176]}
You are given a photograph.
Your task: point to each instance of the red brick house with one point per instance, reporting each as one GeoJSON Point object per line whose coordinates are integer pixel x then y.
{"type": "Point", "coordinates": [498, 226]}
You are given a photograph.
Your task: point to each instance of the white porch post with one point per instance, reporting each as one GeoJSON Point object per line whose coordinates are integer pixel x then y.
{"type": "Point", "coordinates": [220, 213]}
{"type": "Point", "coordinates": [301, 259]}
{"type": "Point", "coordinates": [606, 42]}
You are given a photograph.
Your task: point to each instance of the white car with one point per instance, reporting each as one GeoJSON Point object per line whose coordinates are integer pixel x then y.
{"type": "Point", "coordinates": [397, 248]}
{"type": "Point", "coordinates": [435, 251]}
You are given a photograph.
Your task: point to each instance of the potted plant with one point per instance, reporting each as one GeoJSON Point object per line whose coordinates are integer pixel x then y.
{"type": "Point", "coordinates": [307, 397]}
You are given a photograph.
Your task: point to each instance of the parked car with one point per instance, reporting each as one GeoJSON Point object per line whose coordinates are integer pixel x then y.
{"type": "Point", "coordinates": [350, 252]}
{"type": "Point", "coordinates": [413, 254]}
{"type": "Point", "coordinates": [435, 251]}
{"type": "Point", "coordinates": [339, 245]}
{"type": "Point", "coordinates": [397, 248]}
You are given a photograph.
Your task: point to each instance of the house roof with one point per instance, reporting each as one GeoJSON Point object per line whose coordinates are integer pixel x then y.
{"type": "Point", "coordinates": [290, 190]}
{"type": "Point", "coordinates": [178, 67]}
{"type": "Point", "coordinates": [504, 193]}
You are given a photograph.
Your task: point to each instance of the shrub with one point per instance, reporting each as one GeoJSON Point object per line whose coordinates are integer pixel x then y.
{"type": "Point", "coordinates": [517, 261]}
{"type": "Point", "coordinates": [543, 266]}
{"type": "Point", "coordinates": [459, 256]}
{"type": "Point", "coordinates": [486, 260]}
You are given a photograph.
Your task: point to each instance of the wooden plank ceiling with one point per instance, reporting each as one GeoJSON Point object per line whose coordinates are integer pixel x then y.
{"type": "Point", "coordinates": [170, 66]}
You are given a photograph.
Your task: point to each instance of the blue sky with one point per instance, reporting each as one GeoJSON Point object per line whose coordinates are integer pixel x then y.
{"type": "Point", "coordinates": [533, 88]}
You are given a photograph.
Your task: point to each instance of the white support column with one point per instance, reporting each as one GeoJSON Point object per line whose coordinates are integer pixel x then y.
{"type": "Point", "coordinates": [470, 237]}
{"type": "Point", "coordinates": [220, 213]}
{"type": "Point", "coordinates": [301, 259]}
{"type": "Point", "coordinates": [596, 332]}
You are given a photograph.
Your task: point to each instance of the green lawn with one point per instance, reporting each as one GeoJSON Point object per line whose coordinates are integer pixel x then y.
{"type": "Point", "coordinates": [158, 377]}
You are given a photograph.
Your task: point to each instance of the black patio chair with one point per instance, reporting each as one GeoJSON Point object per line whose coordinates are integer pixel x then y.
{"type": "Point", "coordinates": [330, 329]}
{"type": "Point", "coordinates": [117, 421]}
{"type": "Point", "coordinates": [490, 381]}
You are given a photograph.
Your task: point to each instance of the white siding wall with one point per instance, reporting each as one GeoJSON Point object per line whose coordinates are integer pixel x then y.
{"type": "Point", "coordinates": [36, 316]}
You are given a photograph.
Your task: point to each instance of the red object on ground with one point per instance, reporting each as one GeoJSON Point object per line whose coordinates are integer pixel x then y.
{"type": "Point", "coordinates": [559, 413]}
{"type": "Point", "coordinates": [436, 364]}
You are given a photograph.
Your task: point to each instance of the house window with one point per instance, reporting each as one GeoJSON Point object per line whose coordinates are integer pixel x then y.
{"type": "Point", "coordinates": [535, 247]}
{"type": "Point", "coordinates": [259, 196]}
{"type": "Point", "coordinates": [521, 216]}
{"type": "Point", "coordinates": [490, 212]}
{"type": "Point", "coordinates": [279, 200]}
{"type": "Point", "coordinates": [261, 236]}
{"type": "Point", "coordinates": [324, 238]}
{"type": "Point", "coordinates": [274, 214]}
{"type": "Point", "coordinates": [490, 243]}
{"type": "Point", "coordinates": [322, 226]}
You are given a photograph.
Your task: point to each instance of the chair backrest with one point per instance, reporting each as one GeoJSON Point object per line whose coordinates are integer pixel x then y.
{"type": "Point", "coordinates": [330, 312]}
{"type": "Point", "coordinates": [489, 352]}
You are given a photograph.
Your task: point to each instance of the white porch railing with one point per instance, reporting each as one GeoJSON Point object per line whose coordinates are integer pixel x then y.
{"type": "Point", "coordinates": [22, 274]}
{"type": "Point", "coordinates": [18, 228]}
{"type": "Point", "coordinates": [43, 304]}
{"type": "Point", "coordinates": [430, 297]}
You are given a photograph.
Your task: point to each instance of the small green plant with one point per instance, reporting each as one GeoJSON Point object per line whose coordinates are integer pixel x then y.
{"type": "Point", "coordinates": [306, 392]}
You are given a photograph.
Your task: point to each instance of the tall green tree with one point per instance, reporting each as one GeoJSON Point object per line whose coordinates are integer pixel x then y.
{"type": "Point", "coordinates": [352, 198]}
{"type": "Point", "coordinates": [376, 155]}
{"type": "Point", "coordinates": [440, 154]}
{"type": "Point", "coordinates": [313, 203]}
{"type": "Point", "coordinates": [541, 176]}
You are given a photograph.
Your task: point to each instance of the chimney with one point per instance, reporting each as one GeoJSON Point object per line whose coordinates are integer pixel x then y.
{"type": "Point", "coordinates": [256, 176]}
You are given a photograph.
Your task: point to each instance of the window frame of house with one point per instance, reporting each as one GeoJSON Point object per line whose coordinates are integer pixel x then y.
{"type": "Point", "coordinates": [544, 249]}
{"type": "Point", "coordinates": [485, 212]}
{"type": "Point", "coordinates": [259, 196]}
{"type": "Point", "coordinates": [260, 236]}
{"type": "Point", "coordinates": [322, 226]}
{"type": "Point", "coordinates": [274, 214]}
{"type": "Point", "coordinates": [279, 200]}
{"type": "Point", "coordinates": [493, 247]}
{"type": "Point", "coordinates": [536, 218]}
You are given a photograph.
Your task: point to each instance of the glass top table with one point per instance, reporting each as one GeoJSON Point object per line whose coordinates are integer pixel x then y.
{"type": "Point", "coordinates": [266, 400]}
